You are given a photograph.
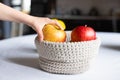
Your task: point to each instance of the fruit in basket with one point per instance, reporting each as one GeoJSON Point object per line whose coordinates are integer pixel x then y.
{"type": "Point", "coordinates": [62, 24]}
{"type": "Point", "coordinates": [52, 32]}
{"type": "Point", "coordinates": [83, 33]}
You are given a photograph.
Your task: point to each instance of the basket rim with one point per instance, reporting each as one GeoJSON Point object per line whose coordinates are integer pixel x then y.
{"type": "Point", "coordinates": [68, 42]}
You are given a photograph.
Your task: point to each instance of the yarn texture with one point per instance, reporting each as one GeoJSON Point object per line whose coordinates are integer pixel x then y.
{"type": "Point", "coordinates": [67, 57]}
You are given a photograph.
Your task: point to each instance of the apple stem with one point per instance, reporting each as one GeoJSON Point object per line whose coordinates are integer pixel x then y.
{"type": "Point", "coordinates": [85, 25]}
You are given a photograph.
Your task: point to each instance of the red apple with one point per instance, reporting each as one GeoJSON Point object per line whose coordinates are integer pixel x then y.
{"type": "Point", "coordinates": [53, 33]}
{"type": "Point", "coordinates": [83, 33]}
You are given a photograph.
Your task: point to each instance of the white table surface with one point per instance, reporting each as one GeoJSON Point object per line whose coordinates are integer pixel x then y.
{"type": "Point", "coordinates": [19, 60]}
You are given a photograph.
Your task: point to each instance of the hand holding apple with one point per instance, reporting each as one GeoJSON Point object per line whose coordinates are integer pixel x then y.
{"type": "Point", "coordinates": [53, 33]}
{"type": "Point", "coordinates": [83, 33]}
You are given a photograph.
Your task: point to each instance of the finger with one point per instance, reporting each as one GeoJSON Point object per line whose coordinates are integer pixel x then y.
{"type": "Point", "coordinates": [58, 24]}
{"type": "Point", "coordinates": [40, 36]}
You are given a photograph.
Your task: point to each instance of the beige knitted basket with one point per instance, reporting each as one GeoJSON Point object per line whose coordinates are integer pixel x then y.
{"type": "Point", "coordinates": [67, 57]}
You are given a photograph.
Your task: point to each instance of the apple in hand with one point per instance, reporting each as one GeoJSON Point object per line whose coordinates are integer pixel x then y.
{"type": "Point", "coordinates": [83, 33]}
{"type": "Point", "coordinates": [53, 33]}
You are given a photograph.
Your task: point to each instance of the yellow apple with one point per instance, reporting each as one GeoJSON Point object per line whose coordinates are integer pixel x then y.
{"type": "Point", "coordinates": [53, 33]}
{"type": "Point", "coordinates": [61, 23]}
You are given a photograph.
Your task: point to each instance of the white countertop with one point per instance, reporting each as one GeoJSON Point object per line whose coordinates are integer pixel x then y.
{"type": "Point", "coordinates": [19, 60]}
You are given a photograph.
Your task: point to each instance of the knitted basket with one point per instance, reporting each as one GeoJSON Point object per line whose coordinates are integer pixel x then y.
{"type": "Point", "coordinates": [66, 57]}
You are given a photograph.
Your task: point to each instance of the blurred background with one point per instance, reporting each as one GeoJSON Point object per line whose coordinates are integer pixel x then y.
{"type": "Point", "coordinates": [102, 15]}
